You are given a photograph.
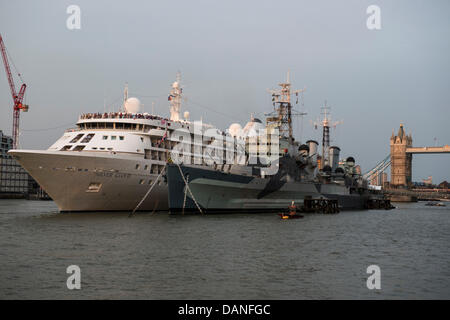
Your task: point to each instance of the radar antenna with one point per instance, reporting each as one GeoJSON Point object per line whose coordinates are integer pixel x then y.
{"type": "Point", "coordinates": [281, 117]}
{"type": "Point", "coordinates": [326, 123]}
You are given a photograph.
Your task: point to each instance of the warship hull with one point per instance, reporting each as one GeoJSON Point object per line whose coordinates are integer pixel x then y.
{"type": "Point", "coordinates": [217, 191]}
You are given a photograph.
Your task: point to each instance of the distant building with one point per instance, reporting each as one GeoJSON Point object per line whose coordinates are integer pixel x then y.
{"type": "Point", "coordinates": [379, 179]}
{"type": "Point", "coordinates": [428, 181]}
{"type": "Point", "coordinates": [319, 162]}
{"type": "Point", "coordinates": [384, 179]}
{"type": "Point", "coordinates": [14, 180]}
{"type": "Point", "coordinates": [444, 185]}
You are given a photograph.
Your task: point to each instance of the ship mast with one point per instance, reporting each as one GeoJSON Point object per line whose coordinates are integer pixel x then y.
{"type": "Point", "coordinates": [326, 133]}
{"type": "Point", "coordinates": [175, 99]}
{"type": "Point", "coordinates": [281, 117]}
{"type": "Point", "coordinates": [326, 123]}
{"type": "Point", "coordinates": [125, 96]}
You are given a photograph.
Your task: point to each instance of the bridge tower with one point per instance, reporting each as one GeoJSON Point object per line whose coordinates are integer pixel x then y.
{"type": "Point", "coordinates": [401, 162]}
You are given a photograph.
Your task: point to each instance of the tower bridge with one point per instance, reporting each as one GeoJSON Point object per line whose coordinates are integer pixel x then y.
{"type": "Point", "coordinates": [400, 159]}
{"type": "Point", "coordinates": [444, 149]}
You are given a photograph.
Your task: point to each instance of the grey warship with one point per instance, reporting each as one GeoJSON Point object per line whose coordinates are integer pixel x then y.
{"type": "Point", "coordinates": [302, 174]}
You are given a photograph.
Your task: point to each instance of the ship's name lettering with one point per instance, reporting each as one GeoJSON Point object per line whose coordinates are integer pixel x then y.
{"type": "Point", "coordinates": [116, 175]}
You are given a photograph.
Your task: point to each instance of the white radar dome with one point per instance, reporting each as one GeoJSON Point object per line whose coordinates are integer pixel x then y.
{"type": "Point", "coordinates": [132, 105]}
{"type": "Point", "coordinates": [253, 128]}
{"type": "Point", "coordinates": [235, 130]}
{"type": "Point", "coordinates": [175, 84]}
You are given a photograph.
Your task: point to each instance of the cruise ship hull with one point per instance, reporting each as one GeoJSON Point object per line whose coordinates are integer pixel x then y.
{"type": "Point", "coordinates": [81, 181]}
{"type": "Point", "coordinates": [216, 191]}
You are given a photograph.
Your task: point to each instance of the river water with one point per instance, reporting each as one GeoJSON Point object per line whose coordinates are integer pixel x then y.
{"type": "Point", "coordinates": [238, 256]}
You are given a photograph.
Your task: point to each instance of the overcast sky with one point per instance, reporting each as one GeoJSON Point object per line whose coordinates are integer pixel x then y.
{"type": "Point", "coordinates": [229, 54]}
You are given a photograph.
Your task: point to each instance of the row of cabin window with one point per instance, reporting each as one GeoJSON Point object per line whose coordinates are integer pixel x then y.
{"type": "Point", "coordinates": [102, 148]}
{"type": "Point", "coordinates": [113, 137]}
{"type": "Point", "coordinates": [68, 147]}
{"type": "Point", "coordinates": [86, 139]}
{"type": "Point", "coordinates": [81, 147]}
{"type": "Point", "coordinates": [89, 137]}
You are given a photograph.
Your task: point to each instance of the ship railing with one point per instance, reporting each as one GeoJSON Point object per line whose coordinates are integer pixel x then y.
{"type": "Point", "coordinates": [120, 115]}
{"type": "Point", "coordinates": [72, 130]}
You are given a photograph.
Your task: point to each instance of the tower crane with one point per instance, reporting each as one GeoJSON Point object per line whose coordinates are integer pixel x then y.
{"type": "Point", "coordinates": [17, 97]}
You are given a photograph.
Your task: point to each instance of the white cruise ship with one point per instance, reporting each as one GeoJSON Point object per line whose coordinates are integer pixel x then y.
{"type": "Point", "coordinates": [111, 160]}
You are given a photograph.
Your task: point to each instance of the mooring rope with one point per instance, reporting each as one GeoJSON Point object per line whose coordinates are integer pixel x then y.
{"type": "Point", "coordinates": [185, 196]}
{"type": "Point", "coordinates": [148, 192]}
{"type": "Point", "coordinates": [189, 189]}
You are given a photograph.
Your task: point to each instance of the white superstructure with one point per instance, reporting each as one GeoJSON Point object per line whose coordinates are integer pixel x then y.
{"type": "Point", "coordinates": [110, 160]}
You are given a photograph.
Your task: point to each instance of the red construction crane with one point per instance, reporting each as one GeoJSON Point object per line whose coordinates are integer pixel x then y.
{"type": "Point", "coordinates": [17, 98]}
